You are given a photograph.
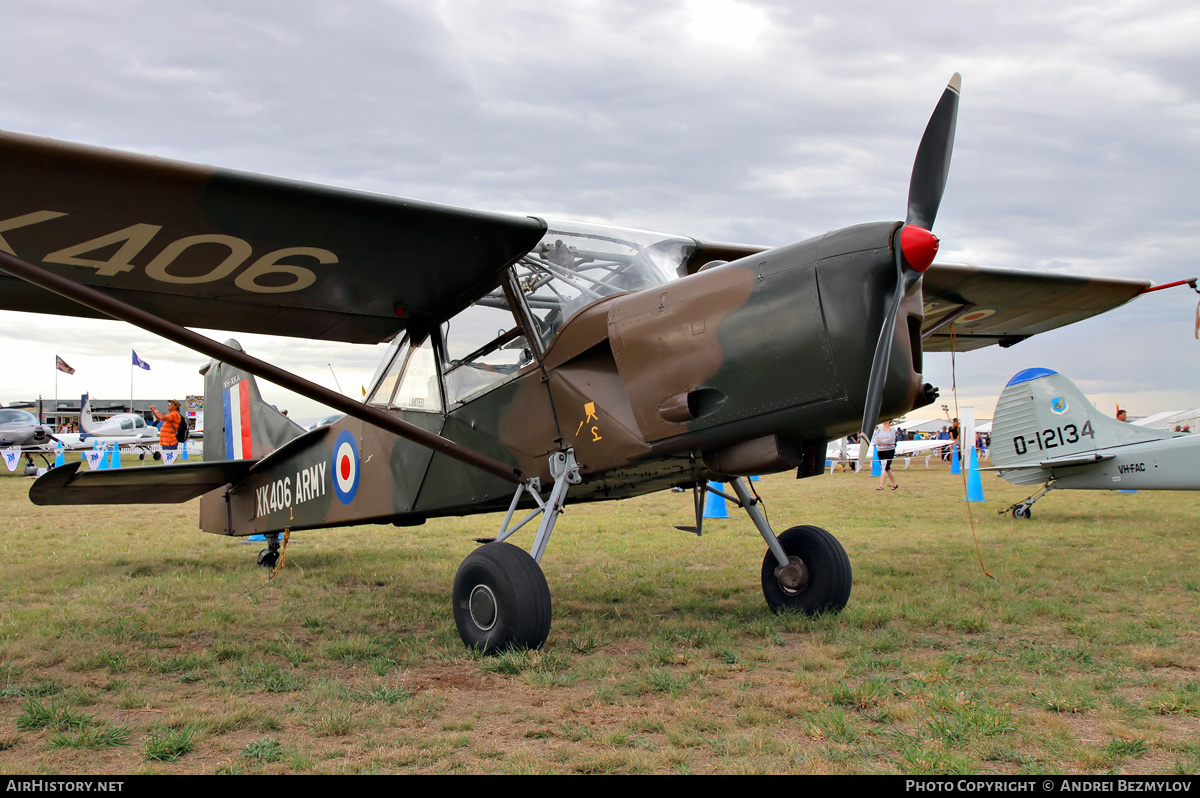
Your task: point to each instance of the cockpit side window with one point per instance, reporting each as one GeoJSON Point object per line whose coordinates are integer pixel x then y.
{"type": "Point", "coordinates": [418, 389]}
{"type": "Point", "coordinates": [482, 347]}
{"type": "Point", "coordinates": [388, 375]}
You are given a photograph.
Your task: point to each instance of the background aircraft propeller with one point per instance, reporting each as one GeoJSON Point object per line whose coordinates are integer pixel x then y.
{"type": "Point", "coordinates": [915, 245]}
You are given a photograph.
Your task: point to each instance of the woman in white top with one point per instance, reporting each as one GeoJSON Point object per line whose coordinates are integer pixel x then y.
{"type": "Point", "coordinates": [885, 450]}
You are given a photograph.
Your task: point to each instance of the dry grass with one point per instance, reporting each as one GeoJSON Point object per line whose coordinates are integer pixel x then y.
{"type": "Point", "coordinates": [130, 642]}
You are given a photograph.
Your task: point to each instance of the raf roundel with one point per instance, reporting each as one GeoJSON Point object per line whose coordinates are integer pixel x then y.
{"type": "Point", "coordinates": [345, 467]}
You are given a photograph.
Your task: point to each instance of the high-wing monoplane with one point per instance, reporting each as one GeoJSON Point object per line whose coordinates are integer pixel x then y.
{"type": "Point", "coordinates": [531, 361]}
{"type": "Point", "coordinates": [1045, 432]}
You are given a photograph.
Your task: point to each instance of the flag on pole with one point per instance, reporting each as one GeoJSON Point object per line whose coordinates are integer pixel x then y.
{"type": "Point", "coordinates": [62, 366]}
{"type": "Point", "coordinates": [137, 361]}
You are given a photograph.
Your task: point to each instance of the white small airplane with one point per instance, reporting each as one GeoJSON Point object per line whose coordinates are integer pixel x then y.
{"type": "Point", "coordinates": [1046, 431]}
{"type": "Point", "coordinates": [123, 429]}
{"type": "Point", "coordinates": [837, 449]}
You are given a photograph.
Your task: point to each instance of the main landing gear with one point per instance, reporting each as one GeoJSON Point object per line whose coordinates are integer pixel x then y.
{"type": "Point", "coordinates": [502, 602]}
{"type": "Point", "coordinates": [805, 568]}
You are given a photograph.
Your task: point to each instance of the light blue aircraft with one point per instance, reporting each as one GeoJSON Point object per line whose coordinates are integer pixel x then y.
{"type": "Point", "coordinates": [1046, 431]}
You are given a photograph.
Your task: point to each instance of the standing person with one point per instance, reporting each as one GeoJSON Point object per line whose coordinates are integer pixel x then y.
{"type": "Point", "coordinates": [885, 449]}
{"type": "Point", "coordinates": [168, 432]}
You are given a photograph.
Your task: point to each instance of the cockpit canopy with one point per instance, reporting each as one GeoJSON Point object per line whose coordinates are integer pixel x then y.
{"type": "Point", "coordinates": [490, 341]}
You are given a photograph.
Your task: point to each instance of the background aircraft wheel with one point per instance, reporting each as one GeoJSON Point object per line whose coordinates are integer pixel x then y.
{"type": "Point", "coordinates": [501, 599]}
{"type": "Point", "coordinates": [1022, 511]}
{"type": "Point", "coordinates": [823, 568]}
{"type": "Point", "coordinates": [267, 558]}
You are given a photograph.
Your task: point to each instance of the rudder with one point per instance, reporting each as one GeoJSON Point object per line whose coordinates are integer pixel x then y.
{"type": "Point", "coordinates": [1042, 415]}
{"type": "Point", "coordinates": [239, 425]}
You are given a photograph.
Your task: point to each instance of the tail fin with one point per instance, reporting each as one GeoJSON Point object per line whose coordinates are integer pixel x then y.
{"type": "Point", "coordinates": [1042, 416]}
{"type": "Point", "coordinates": [239, 425]}
{"type": "Point", "coordinates": [86, 424]}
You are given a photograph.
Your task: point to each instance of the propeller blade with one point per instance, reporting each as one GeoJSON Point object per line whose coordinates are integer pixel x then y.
{"type": "Point", "coordinates": [882, 358]}
{"type": "Point", "coordinates": [915, 245]}
{"type": "Point", "coordinates": [932, 164]}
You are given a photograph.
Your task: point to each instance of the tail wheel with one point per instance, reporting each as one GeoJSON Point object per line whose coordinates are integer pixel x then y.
{"type": "Point", "coordinates": [818, 578]}
{"type": "Point", "coordinates": [1022, 511]}
{"type": "Point", "coordinates": [501, 600]}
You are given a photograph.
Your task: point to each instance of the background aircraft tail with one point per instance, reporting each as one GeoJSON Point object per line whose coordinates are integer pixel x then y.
{"type": "Point", "coordinates": [1042, 416]}
{"type": "Point", "coordinates": [238, 424]}
{"type": "Point", "coordinates": [86, 424]}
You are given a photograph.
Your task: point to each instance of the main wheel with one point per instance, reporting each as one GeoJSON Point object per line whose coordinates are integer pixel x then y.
{"type": "Point", "coordinates": [1022, 511]}
{"type": "Point", "coordinates": [819, 578]}
{"type": "Point", "coordinates": [501, 600]}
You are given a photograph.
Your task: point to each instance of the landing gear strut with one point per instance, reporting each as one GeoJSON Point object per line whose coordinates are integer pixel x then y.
{"type": "Point", "coordinates": [1024, 508]}
{"type": "Point", "coordinates": [501, 600]}
{"type": "Point", "coordinates": [268, 557]}
{"type": "Point", "coordinates": [805, 568]}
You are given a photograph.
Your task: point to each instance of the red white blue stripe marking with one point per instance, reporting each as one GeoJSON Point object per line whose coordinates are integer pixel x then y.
{"type": "Point", "coordinates": [237, 422]}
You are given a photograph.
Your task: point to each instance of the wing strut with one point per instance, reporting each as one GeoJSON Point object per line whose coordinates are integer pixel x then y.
{"type": "Point", "coordinates": [105, 304]}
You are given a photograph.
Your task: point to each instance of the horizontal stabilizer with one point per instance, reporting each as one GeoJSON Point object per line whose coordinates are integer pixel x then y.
{"type": "Point", "coordinates": [1057, 462]}
{"type": "Point", "coordinates": [147, 485]}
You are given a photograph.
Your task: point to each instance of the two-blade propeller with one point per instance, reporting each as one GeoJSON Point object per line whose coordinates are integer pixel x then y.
{"type": "Point", "coordinates": [915, 245]}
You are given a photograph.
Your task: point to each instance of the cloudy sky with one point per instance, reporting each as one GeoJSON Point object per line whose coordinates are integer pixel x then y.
{"type": "Point", "coordinates": [1078, 146]}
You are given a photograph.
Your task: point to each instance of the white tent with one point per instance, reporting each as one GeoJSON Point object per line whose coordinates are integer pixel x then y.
{"type": "Point", "coordinates": [1171, 420]}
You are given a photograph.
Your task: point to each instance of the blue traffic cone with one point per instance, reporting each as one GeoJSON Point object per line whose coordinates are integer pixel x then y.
{"type": "Point", "coordinates": [714, 505]}
{"type": "Point", "coordinates": [955, 466]}
{"type": "Point", "coordinates": [58, 454]}
{"type": "Point", "coordinates": [257, 538]}
{"type": "Point", "coordinates": [876, 466]}
{"type": "Point", "coordinates": [115, 457]}
{"type": "Point", "coordinates": [974, 485]}
{"type": "Point", "coordinates": [184, 447]}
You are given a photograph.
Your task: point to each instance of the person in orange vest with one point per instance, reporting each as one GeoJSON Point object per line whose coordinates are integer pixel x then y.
{"type": "Point", "coordinates": [168, 432]}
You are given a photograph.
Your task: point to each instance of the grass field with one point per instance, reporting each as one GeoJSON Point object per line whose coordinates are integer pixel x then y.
{"type": "Point", "coordinates": [130, 642]}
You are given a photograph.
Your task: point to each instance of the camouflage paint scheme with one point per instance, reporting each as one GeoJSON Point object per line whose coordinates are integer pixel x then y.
{"type": "Point", "coordinates": [740, 359]}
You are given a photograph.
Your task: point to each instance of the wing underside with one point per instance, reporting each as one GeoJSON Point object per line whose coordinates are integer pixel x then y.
{"type": "Point", "coordinates": [986, 306]}
{"type": "Point", "coordinates": [242, 252]}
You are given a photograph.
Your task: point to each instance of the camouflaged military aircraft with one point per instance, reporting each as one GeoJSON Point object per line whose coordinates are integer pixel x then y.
{"type": "Point", "coordinates": [526, 355]}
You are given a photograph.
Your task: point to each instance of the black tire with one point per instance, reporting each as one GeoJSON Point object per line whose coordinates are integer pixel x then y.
{"type": "Point", "coordinates": [267, 558]}
{"type": "Point", "coordinates": [1022, 511]}
{"type": "Point", "coordinates": [828, 566]}
{"type": "Point", "coordinates": [501, 600]}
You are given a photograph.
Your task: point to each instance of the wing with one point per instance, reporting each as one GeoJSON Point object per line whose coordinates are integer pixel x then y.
{"type": "Point", "coordinates": [985, 305]}
{"type": "Point", "coordinates": [235, 251]}
{"type": "Point", "coordinates": [1005, 306]}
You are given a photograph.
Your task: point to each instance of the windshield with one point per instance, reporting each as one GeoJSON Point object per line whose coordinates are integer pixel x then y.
{"type": "Point", "coordinates": [575, 264]}
{"type": "Point", "coordinates": [10, 416]}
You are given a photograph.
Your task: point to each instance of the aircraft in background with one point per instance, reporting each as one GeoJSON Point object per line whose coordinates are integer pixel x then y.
{"type": "Point", "coordinates": [526, 355]}
{"type": "Point", "coordinates": [1046, 431]}
{"type": "Point", "coordinates": [122, 429]}
{"type": "Point", "coordinates": [21, 428]}
{"type": "Point", "coordinates": [834, 451]}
